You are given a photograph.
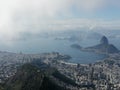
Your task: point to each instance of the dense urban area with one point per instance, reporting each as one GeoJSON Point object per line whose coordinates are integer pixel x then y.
{"type": "Point", "coordinates": [102, 75]}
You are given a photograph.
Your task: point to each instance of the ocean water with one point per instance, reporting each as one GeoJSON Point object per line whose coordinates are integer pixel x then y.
{"type": "Point", "coordinates": [42, 45]}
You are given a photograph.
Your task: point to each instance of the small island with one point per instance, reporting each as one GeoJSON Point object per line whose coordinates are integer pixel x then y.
{"type": "Point", "coordinates": [76, 46]}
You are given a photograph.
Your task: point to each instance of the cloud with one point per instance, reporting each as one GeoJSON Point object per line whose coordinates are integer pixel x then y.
{"type": "Point", "coordinates": [36, 15]}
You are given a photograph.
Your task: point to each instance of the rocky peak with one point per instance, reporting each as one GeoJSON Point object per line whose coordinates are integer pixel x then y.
{"type": "Point", "coordinates": [104, 40]}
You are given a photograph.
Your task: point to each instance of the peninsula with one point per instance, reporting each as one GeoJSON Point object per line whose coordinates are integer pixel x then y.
{"type": "Point", "coordinates": [104, 47]}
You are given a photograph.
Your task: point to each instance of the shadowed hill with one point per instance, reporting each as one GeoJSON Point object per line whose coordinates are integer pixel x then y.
{"type": "Point", "coordinates": [30, 77]}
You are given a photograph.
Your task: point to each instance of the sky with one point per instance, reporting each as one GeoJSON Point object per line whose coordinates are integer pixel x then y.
{"type": "Point", "coordinates": [19, 16]}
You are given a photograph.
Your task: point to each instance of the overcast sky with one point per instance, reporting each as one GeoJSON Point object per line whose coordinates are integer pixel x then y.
{"type": "Point", "coordinates": [37, 15]}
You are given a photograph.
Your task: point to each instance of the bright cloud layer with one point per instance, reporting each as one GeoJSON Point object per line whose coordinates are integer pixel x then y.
{"type": "Point", "coordinates": [37, 15]}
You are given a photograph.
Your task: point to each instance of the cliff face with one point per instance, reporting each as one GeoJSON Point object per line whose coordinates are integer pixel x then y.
{"type": "Point", "coordinates": [104, 40]}
{"type": "Point", "coordinates": [103, 47]}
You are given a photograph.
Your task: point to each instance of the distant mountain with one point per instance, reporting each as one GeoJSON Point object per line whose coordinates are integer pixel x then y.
{"type": "Point", "coordinates": [104, 41]}
{"type": "Point", "coordinates": [103, 47]}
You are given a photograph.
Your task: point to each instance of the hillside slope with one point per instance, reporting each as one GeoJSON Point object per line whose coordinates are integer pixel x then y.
{"type": "Point", "coordinates": [30, 77]}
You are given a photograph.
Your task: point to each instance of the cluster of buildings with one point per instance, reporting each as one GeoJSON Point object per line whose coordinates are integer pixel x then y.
{"type": "Point", "coordinates": [102, 75]}
{"type": "Point", "coordinates": [10, 62]}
